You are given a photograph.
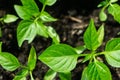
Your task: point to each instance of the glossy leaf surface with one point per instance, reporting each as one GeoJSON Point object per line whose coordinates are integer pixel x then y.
{"type": "Point", "coordinates": [52, 33]}
{"type": "Point", "coordinates": [46, 17]}
{"type": "Point", "coordinates": [112, 52]}
{"type": "Point", "coordinates": [10, 18]}
{"type": "Point", "coordinates": [96, 71]}
{"type": "Point", "coordinates": [114, 10]}
{"type": "Point", "coordinates": [26, 31]}
{"type": "Point", "coordinates": [9, 61]}
{"type": "Point", "coordinates": [32, 59]}
{"type": "Point", "coordinates": [30, 5]}
{"type": "Point", "coordinates": [92, 37]}
{"type": "Point", "coordinates": [102, 16]}
{"type": "Point", "coordinates": [22, 12]}
{"type": "Point", "coordinates": [60, 57]}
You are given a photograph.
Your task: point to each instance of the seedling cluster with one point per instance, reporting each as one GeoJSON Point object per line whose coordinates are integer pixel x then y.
{"type": "Point", "coordinates": [62, 58]}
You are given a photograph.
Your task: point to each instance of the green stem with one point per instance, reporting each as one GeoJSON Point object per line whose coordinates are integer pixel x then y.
{"type": "Point", "coordinates": [43, 8]}
{"type": "Point", "coordinates": [101, 53]}
{"type": "Point", "coordinates": [92, 57]}
{"type": "Point", "coordinates": [31, 76]}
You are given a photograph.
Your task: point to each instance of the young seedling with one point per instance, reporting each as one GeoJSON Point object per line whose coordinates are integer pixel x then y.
{"type": "Point", "coordinates": [62, 58]}
{"type": "Point", "coordinates": [33, 21]}
{"type": "Point", "coordinates": [11, 63]}
{"type": "Point", "coordinates": [9, 18]}
{"type": "Point", "coordinates": [113, 9]}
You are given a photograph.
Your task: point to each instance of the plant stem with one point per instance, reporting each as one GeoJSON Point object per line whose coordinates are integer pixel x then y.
{"type": "Point", "coordinates": [92, 56]}
{"type": "Point", "coordinates": [101, 53]}
{"type": "Point", "coordinates": [31, 75]}
{"type": "Point", "coordinates": [43, 8]}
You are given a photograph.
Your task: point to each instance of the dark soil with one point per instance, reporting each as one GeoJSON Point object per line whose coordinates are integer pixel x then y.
{"type": "Point", "coordinates": [74, 17]}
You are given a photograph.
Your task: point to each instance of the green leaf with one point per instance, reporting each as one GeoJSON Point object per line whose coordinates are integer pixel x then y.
{"type": "Point", "coordinates": [22, 12]}
{"type": "Point", "coordinates": [96, 71]}
{"type": "Point", "coordinates": [31, 5]}
{"type": "Point", "coordinates": [112, 51]}
{"type": "Point", "coordinates": [60, 57]}
{"type": "Point", "coordinates": [103, 3]}
{"type": "Point", "coordinates": [50, 75]}
{"type": "Point", "coordinates": [52, 33]}
{"type": "Point", "coordinates": [91, 37]}
{"type": "Point", "coordinates": [113, 45]}
{"type": "Point", "coordinates": [65, 76]}
{"type": "Point", "coordinates": [32, 59]}
{"type": "Point", "coordinates": [113, 1]}
{"type": "Point", "coordinates": [102, 16]}
{"type": "Point", "coordinates": [46, 17]}
{"type": "Point", "coordinates": [10, 18]}
{"type": "Point", "coordinates": [41, 29]}
{"type": "Point", "coordinates": [9, 61]}
{"type": "Point", "coordinates": [28, 10]}
{"type": "Point", "coordinates": [114, 10]}
{"type": "Point", "coordinates": [26, 31]}
{"type": "Point", "coordinates": [21, 75]}
{"type": "Point", "coordinates": [113, 58]}
{"type": "Point", "coordinates": [85, 74]}
{"type": "Point", "coordinates": [100, 34]}
{"type": "Point", "coordinates": [48, 2]}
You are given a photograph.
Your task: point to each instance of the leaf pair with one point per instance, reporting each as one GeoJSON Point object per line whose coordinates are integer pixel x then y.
{"type": "Point", "coordinates": [32, 23]}
{"type": "Point", "coordinates": [21, 75]}
{"type": "Point", "coordinates": [27, 30]}
{"type": "Point", "coordinates": [28, 10]}
{"type": "Point", "coordinates": [93, 38]}
{"type": "Point", "coordinates": [113, 9]}
{"type": "Point", "coordinates": [11, 63]}
{"type": "Point", "coordinates": [112, 52]}
{"type": "Point", "coordinates": [96, 71]}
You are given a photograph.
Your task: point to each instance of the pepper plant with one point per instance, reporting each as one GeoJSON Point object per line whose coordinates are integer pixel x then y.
{"type": "Point", "coordinates": [62, 58]}
{"type": "Point", "coordinates": [9, 62]}
{"type": "Point", "coordinates": [8, 18]}
{"type": "Point", "coordinates": [112, 7]}
{"type": "Point", "coordinates": [33, 21]}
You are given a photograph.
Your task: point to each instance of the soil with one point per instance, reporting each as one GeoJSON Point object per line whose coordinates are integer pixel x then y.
{"type": "Point", "coordinates": [73, 18]}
